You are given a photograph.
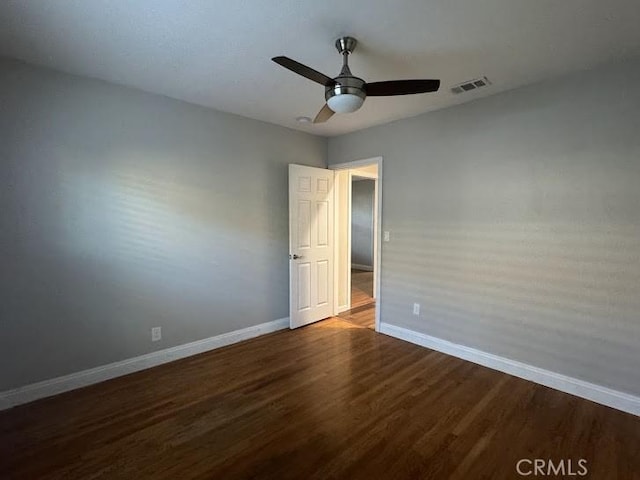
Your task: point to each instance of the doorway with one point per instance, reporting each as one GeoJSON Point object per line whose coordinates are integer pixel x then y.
{"type": "Point", "coordinates": [362, 233]}
{"type": "Point", "coordinates": [321, 280]}
{"type": "Point", "coordinates": [357, 214]}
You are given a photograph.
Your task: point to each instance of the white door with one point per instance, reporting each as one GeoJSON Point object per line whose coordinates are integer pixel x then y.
{"type": "Point", "coordinates": [311, 244]}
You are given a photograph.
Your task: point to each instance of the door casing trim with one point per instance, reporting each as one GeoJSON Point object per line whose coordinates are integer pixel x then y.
{"type": "Point", "coordinates": [377, 248]}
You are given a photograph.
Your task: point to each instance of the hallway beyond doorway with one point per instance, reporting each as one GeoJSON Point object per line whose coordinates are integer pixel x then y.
{"type": "Point", "coordinates": [361, 288]}
{"type": "Point", "coordinates": [363, 305]}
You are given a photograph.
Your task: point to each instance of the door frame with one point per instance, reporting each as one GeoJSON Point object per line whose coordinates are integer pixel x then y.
{"type": "Point", "coordinates": [377, 238]}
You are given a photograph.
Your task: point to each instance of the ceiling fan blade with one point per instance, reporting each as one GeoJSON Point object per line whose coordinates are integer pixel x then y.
{"type": "Point", "coordinates": [401, 87]}
{"type": "Point", "coordinates": [323, 115]}
{"type": "Point", "coordinates": [303, 70]}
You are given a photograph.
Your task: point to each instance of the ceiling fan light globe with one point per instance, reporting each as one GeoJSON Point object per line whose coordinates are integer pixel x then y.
{"type": "Point", "coordinates": [345, 103]}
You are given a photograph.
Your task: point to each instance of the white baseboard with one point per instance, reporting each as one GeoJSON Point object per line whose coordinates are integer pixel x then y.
{"type": "Point", "coordinates": [358, 266]}
{"type": "Point", "coordinates": [54, 386]}
{"type": "Point", "coordinates": [596, 393]}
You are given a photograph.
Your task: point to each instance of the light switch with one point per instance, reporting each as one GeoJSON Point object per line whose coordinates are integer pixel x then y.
{"type": "Point", "coordinates": [386, 236]}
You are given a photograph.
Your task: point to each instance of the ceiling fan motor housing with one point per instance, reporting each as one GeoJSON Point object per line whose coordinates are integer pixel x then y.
{"type": "Point", "coordinates": [346, 95]}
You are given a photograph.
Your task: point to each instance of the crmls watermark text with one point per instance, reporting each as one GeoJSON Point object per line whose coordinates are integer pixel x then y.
{"type": "Point", "coordinates": [544, 467]}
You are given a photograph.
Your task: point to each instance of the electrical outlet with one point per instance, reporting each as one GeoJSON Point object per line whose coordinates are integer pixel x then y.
{"type": "Point", "coordinates": [386, 236]}
{"type": "Point", "coordinates": [156, 334]}
{"type": "Point", "coordinates": [416, 309]}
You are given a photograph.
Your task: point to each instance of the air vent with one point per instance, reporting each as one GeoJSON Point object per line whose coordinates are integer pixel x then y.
{"type": "Point", "coordinates": [470, 85]}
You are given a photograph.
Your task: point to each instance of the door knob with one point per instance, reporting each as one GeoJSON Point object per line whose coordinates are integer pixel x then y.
{"type": "Point", "coordinates": [295, 257]}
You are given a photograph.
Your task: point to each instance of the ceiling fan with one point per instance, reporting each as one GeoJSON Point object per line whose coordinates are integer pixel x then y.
{"type": "Point", "coordinates": [346, 93]}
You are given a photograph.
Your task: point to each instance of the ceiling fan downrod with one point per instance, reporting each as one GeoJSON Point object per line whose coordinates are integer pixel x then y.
{"type": "Point", "coordinates": [346, 46]}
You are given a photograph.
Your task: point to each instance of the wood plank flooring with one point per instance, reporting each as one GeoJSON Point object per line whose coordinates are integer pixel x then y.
{"type": "Point", "coordinates": [331, 400]}
{"type": "Point", "coordinates": [364, 316]}
{"type": "Point", "coordinates": [361, 288]}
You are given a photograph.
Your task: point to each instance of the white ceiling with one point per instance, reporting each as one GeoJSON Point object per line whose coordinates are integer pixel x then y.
{"type": "Point", "coordinates": [217, 53]}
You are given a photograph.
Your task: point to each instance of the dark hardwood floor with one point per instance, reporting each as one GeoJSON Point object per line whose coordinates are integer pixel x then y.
{"type": "Point", "coordinates": [364, 316]}
{"type": "Point", "coordinates": [331, 400]}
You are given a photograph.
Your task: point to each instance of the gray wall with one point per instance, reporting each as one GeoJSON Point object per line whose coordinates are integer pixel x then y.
{"type": "Point", "coordinates": [362, 192]}
{"type": "Point", "coordinates": [515, 222]}
{"type": "Point", "coordinates": [122, 211]}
